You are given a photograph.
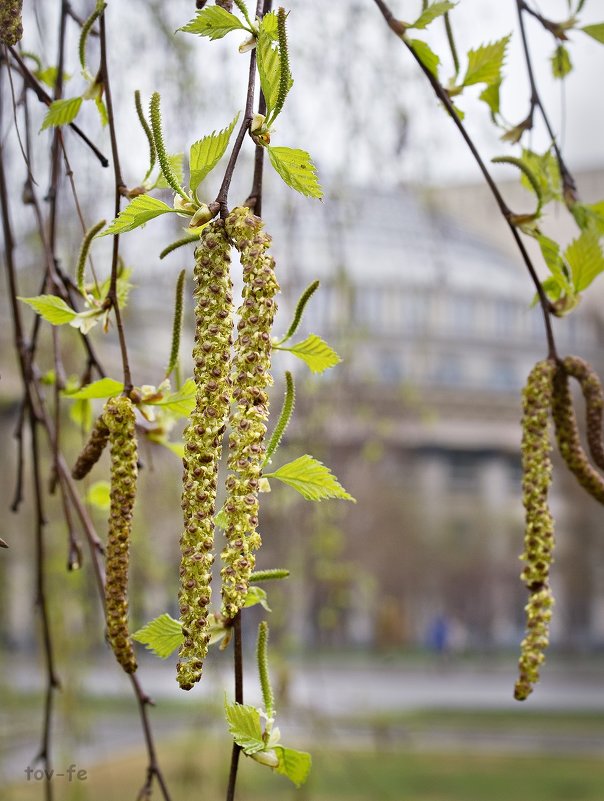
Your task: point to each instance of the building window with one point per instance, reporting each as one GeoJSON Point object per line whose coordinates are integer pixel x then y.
{"type": "Point", "coordinates": [463, 473]}
{"type": "Point", "coordinates": [507, 321]}
{"type": "Point", "coordinates": [503, 376]}
{"type": "Point", "coordinates": [461, 314]}
{"type": "Point", "coordinates": [449, 372]}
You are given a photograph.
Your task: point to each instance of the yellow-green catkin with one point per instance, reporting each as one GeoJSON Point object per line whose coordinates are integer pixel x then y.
{"type": "Point", "coordinates": [92, 451]}
{"type": "Point", "coordinates": [251, 377]}
{"type": "Point", "coordinates": [203, 445]}
{"type": "Point", "coordinates": [567, 435]}
{"type": "Point", "coordinates": [119, 418]}
{"type": "Point", "coordinates": [594, 402]}
{"type": "Point", "coordinates": [539, 524]}
{"type": "Point", "coordinates": [11, 21]}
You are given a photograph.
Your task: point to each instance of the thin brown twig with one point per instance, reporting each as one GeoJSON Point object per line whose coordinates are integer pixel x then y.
{"type": "Point", "coordinates": [45, 98]}
{"type": "Point", "coordinates": [568, 182]}
{"type": "Point", "coordinates": [238, 665]}
{"type": "Point", "coordinates": [254, 200]}
{"type": "Point", "coordinates": [119, 190]}
{"type": "Point", "coordinates": [52, 680]}
{"type": "Point", "coordinates": [399, 28]}
{"type": "Point", "coordinates": [223, 192]}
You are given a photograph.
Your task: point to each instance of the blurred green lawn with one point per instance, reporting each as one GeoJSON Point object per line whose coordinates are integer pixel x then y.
{"type": "Point", "coordinates": [197, 770]}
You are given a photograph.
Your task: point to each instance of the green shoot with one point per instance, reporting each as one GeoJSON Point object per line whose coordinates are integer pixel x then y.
{"type": "Point", "coordinates": [284, 418]}
{"type": "Point", "coordinates": [300, 306]}
{"type": "Point", "coordinates": [177, 324]}
{"type": "Point", "coordinates": [145, 125]}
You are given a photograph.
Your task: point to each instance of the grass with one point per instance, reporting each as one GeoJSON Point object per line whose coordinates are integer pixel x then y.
{"type": "Point", "coordinates": [196, 770]}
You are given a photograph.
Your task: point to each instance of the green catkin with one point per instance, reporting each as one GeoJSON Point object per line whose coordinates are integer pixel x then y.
{"type": "Point", "coordinates": [11, 22]}
{"type": "Point", "coordinates": [203, 445]}
{"type": "Point", "coordinates": [251, 377]}
{"type": "Point", "coordinates": [539, 524]}
{"type": "Point", "coordinates": [262, 660]}
{"type": "Point", "coordinates": [119, 418]}
{"type": "Point", "coordinates": [567, 435]}
{"type": "Point", "coordinates": [91, 453]}
{"type": "Point", "coordinates": [594, 402]}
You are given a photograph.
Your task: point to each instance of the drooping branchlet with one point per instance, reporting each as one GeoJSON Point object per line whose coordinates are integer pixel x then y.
{"type": "Point", "coordinates": [251, 377]}
{"type": "Point", "coordinates": [203, 443]}
{"type": "Point", "coordinates": [118, 416]}
{"type": "Point", "coordinates": [11, 22]}
{"type": "Point", "coordinates": [539, 525]}
{"type": "Point", "coordinates": [567, 435]}
{"type": "Point", "coordinates": [91, 453]}
{"type": "Point", "coordinates": [594, 402]}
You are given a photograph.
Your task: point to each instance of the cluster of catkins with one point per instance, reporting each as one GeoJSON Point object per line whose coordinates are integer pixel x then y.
{"type": "Point", "coordinates": [547, 390]}
{"type": "Point", "coordinates": [225, 373]}
{"type": "Point", "coordinates": [116, 425]}
{"type": "Point", "coordinates": [11, 22]}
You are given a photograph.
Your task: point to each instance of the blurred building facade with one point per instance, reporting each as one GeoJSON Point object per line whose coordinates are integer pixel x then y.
{"type": "Point", "coordinates": [420, 422]}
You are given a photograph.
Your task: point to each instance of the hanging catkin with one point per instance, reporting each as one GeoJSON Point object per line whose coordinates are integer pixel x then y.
{"type": "Point", "coordinates": [93, 449]}
{"type": "Point", "coordinates": [203, 442]}
{"type": "Point", "coordinates": [594, 403]}
{"type": "Point", "coordinates": [567, 435]}
{"type": "Point", "coordinates": [118, 416]}
{"type": "Point", "coordinates": [539, 524]}
{"type": "Point", "coordinates": [251, 377]}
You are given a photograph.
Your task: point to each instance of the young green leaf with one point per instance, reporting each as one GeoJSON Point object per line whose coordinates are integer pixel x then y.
{"type": "Point", "coordinates": [585, 258]}
{"type": "Point", "coordinates": [181, 402]}
{"type": "Point", "coordinates": [62, 112]}
{"type": "Point", "coordinates": [297, 170]}
{"type": "Point", "coordinates": [432, 12]}
{"type": "Point", "coordinates": [547, 172]}
{"type": "Point", "coordinates": [221, 520]}
{"type": "Point", "coordinates": [595, 31]}
{"type": "Point", "coordinates": [286, 413]}
{"type": "Point", "coordinates": [163, 635]}
{"type": "Point", "coordinates": [175, 160]}
{"type": "Point", "coordinates": [102, 110]}
{"type": "Point", "coordinates": [490, 96]}
{"type": "Point", "coordinates": [561, 63]}
{"type": "Point", "coordinates": [485, 63]}
{"type": "Point", "coordinates": [80, 413]}
{"type": "Point", "coordinates": [213, 22]}
{"type": "Point", "coordinates": [426, 56]}
{"type": "Point", "coordinates": [315, 352]}
{"type": "Point", "coordinates": [51, 308]}
{"type": "Point", "coordinates": [49, 76]}
{"type": "Point", "coordinates": [294, 764]}
{"type": "Point", "coordinates": [256, 595]}
{"type": "Point", "coordinates": [244, 726]}
{"type": "Point", "coordinates": [142, 209]}
{"type": "Point", "coordinates": [103, 388]}
{"type": "Point", "coordinates": [311, 479]}
{"type": "Point", "coordinates": [589, 215]}
{"type": "Point", "coordinates": [207, 152]}
{"type": "Point", "coordinates": [300, 306]}
{"type": "Point", "coordinates": [98, 495]}
{"type": "Point", "coordinates": [550, 251]}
